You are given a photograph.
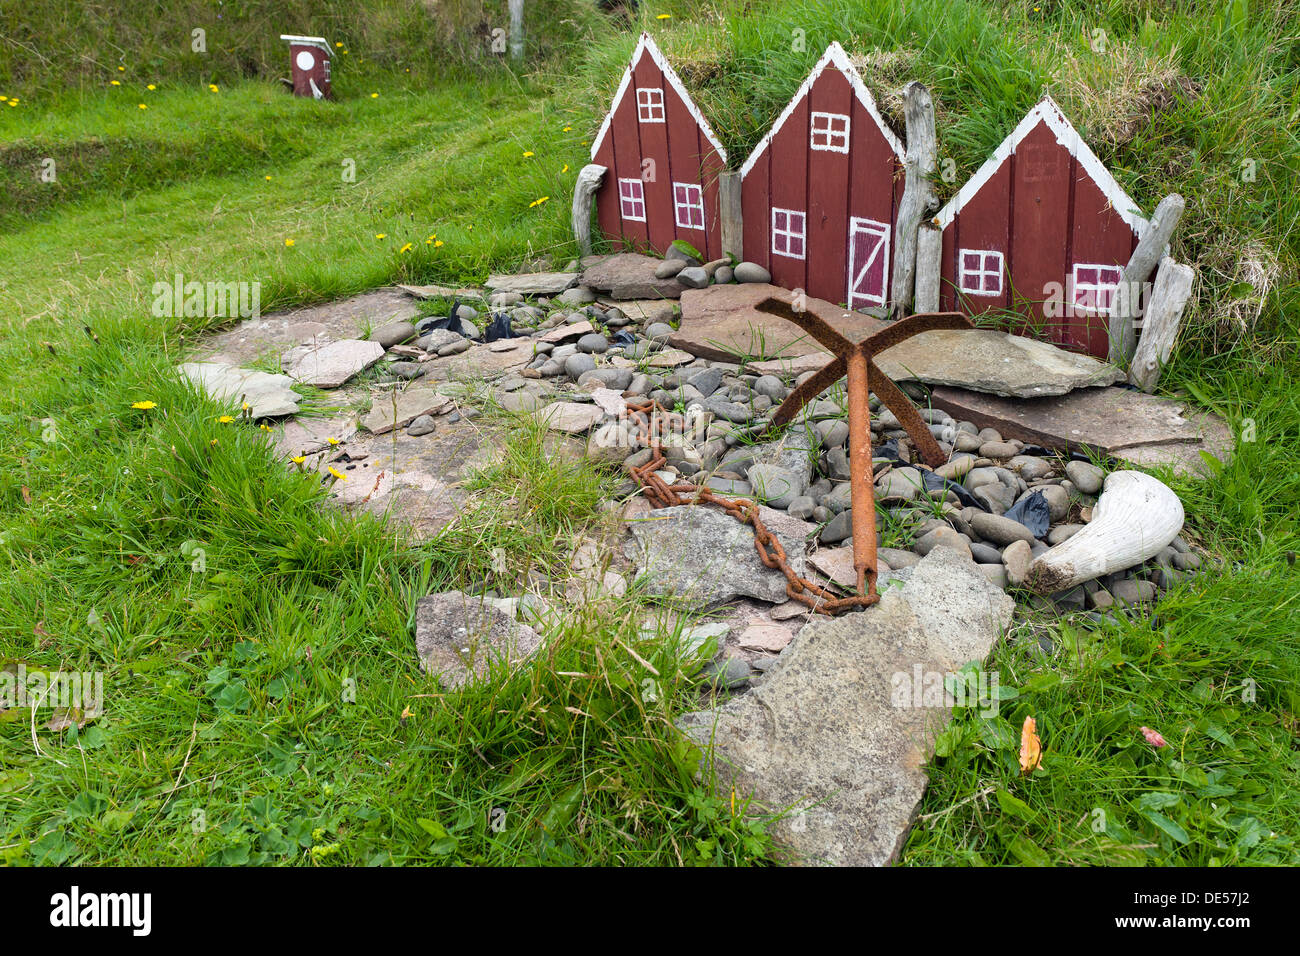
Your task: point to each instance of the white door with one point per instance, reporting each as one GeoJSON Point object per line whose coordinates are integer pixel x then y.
{"type": "Point", "coordinates": [868, 262]}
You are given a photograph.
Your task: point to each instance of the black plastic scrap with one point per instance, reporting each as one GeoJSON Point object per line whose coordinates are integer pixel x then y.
{"type": "Point", "coordinates": [1033, 512]}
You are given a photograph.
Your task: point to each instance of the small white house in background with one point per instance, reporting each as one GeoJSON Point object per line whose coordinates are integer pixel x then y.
{"type": "Point", "coordinates": [1041, 230]}
{"type": "Point", "coordinates": [310, 61]}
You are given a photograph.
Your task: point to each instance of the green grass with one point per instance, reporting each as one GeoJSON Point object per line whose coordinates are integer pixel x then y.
{"type": "Point", "coordinates": [254, 712]}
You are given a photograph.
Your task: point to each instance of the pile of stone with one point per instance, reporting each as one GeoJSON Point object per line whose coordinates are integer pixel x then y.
{"type": "Point", "coordinates": [694, 274]}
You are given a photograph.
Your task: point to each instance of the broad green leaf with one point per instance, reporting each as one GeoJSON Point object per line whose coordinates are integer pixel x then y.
{"type": "Point", "coordinates": [1168, 826]}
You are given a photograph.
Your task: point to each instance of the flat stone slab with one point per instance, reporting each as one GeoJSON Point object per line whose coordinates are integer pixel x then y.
{"type": "Point", "coordinates": [440, 292]}
{"type": "Point", "coordinates": [459, 637]}
{"type": "Point", "coordinates": [721, 323]}
{"type": "Point", "coordinates": [1132, 426]}
{"type": "Point", "coordinates": [483, 361]}
{"type": "Point", "coordinates": [644, 311]}
{"type": "Point", "coordinates": [329, 366]}
{"type": "Point", "coordinates": [562, 333]}
{"type": "Point", "coordinates": [411, 403]}
{"type": "Point", "coordinates": [275, 332]}
{"type": "Point", "coordinates": [835, 730]}
{"type": "Point", "coordinates": [986, 360]}
{"type": "Point", "coordinates": [271, 396]}
{"type": "Point", "coordinates": [573, 418]}
{"type": "Point", "coordinates": [533, 283]}
{"type": "Point", "coordinates": [630, 275]}
{"type": "Point", "coordinates": [703, 555]}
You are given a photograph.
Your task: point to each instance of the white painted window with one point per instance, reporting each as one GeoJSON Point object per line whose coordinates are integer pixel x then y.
{"type": "Point", "coordinates": [688, 203]}
{"type": "Point", "coordinates": [631, 199]}
{"type": "Point", "coordinates": [788, 232]}
{"type": "Point", "coordinates": [1094, 286]}
{"type": "Point", "coordinates": [830, 131]}
{"type": "Point", "coordinates": [650, 105]}
{"type": "Point", "coordinates": [980, 271]}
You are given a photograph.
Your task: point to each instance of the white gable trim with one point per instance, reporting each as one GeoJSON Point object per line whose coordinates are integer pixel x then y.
{"type": "Point", "coordinates": [1048, 112]}
{"type": "Point", "coordinates": [834, 55]}
{"type": "Point", "coordinates": [318, 42]}
{"type": "Point", "coordinates": [647, 45]}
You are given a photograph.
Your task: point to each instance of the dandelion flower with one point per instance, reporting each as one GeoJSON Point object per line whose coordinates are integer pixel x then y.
{"type": "Point", "coordinates": [143, 106]}
{"type": "Point", "coordinates": [114, 83]}
{"type": "Point", "coordinates": [213, 442]}
{"type": "Point", "coordinates": [406, 248]}
{"type": "Point", "coordinates": [151, 87]}
{"type": "Point", "coordinates": [268, 179]}
{"type": "Point", "coordinates": [144, 406]}
{"type": "Point", "coordinates": [121, 69]}
{"type": "Point", "coordinates": [437, 244]}
{"type": "Point", "coordinates": [338, 45]}
{"type": "Point", "coordinates": [298, 459]}
{"type": "Point", "coordinates": [214, 88]}
{"type": "Point", "coordinates": [226, 419]}
{"type": "Point", "coordinates": [332, 441]}
{"type": "Point", "coordinates": [289, 243]}
{"type": "Point", "coordinates": [374, 96]}
{"type": "Point", "coordinates": [565, 169]}
{"type": "Point", "coordinates": [567, 129]}
{"type": "Point", "coordinates": [338, 474]}
{"type": "Point", "coordinates": [265, 427]}
{"type": "Point", "coordinates": [664, 16]}
{"type": "Point", "coordinates": [381, 235]}
{"type": "Point", "coordinates": [527, 153]}
{"type": "Point", "coordinates": [538, 202]}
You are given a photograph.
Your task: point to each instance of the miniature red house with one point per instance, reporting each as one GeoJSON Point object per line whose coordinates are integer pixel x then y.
{"type": "Point", "coordinates": [1042, 230]}
{"type": "Point", "coordinates": [310, 57]}
{"type": "Point", "coordinates": [820, 192]}
{"type": "Point", "coordinates": [663, 161]}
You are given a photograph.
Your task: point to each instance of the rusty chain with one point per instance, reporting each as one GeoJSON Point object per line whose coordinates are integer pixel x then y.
{"type": "Point", "coordinates": [649, 419]}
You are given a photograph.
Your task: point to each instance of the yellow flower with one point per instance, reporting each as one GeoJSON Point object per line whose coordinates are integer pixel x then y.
{"type": "Point", "coordinates": [142, 106]}
{"type": "Point", "coordinates": [114, 83]}
{"type": "Point", "coordinates": [527, 153]}
{"type": "Point", "coordinates": [381, 235]}
{"type": "Point", "coordinates": [213, 442]}
{"type": "Point", "coordinates": [268, 179]}
{"type": "Point", "coordinates": [247, 407]}
{"type": "Point", "coordinates": [664, 16]}
{"type": "Point", "coordinates": [144, 406]}
{"type": "Point", "coordinates": [214, 88]}
{"type": "Point", "coordinates": [337, 474]}
{"type": "Point", "coordinates": [226, 419]}
{"type": "Point", "coordinates": [298, 459]}
{"type": "Point", "coordinates": [406, 248]}
{"type": "Point", "coordinates": [151, 87]}
{"type": "Point", "coordinates": [338, 45]}
{"type": "Point", "coordinates": [538, 202]}
{"type": "Point", "coordinates": [567, 129]}
{"type": "Point", "coordinates": [565, 169]}
{"type": "Point", "coordinates": [13, 102]}
{"type": "Point", "coordinates": [332, 441]}
{"type": "Point", "coordinates": [374, 96]}
{"type": "Point", "coordinates": [121, 69]}
{"type": "Point", "coordinates": [289, 243]}
{"type": "Point", "coordinates": [437, 244]}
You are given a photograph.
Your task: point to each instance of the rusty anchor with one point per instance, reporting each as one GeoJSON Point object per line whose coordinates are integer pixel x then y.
{"type": "Point", "coordinates": [856, 360]}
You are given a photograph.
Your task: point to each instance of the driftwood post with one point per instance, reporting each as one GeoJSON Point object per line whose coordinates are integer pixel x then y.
{"type": "Point", "coordinates": [1128, 297]}
{"type": "Point", "coordinates": [919, 199]}
{"type": "Point", "coordinates": [583, 190]}
{"type": "Point", "coordinates": [731, 221]}
{"type": "Point", "coordinates": [929, 265]}
{"type": "Point", "coordinates": [516, 29]}
{"type": "Point", "coordinates": [1164, 314]}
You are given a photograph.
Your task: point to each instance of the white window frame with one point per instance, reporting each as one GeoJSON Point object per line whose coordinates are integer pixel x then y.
{"type": "Point", "coordinates": [1096, 288]}
{"type": "Point", "coordinates": [801, 234]}
{"type": "Point", "coordinates": [624, 200]}
{"type": "Point", "coordinates": [858, 224]}
{"type": "Point", "coordinates": [834, 141]}
{"type": "Point", "coordinates": [980, 273]}
{"type": "Point", "coordinates": [650, 105]}
{"type": "Point", "coordinates": [694, 203]}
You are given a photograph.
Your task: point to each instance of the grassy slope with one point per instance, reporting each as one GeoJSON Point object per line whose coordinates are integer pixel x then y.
{"type": "Point", "coordinates": [231, 682]}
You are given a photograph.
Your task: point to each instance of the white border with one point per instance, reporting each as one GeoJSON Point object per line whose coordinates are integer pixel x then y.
{"type": "Point", "coordinates": [882, 230]}
{"type": "Point", "coordinates": [621, 198]}
{"type": "Point", "coordinates": [663, 108]}
{"type": "Point", "coordinates": [647, 45]}
{"type": "Point", "coordinates": [678, 207]}
{"type": "Point", "coordinates": [831, 134]}
{"type": "Point", "coordinates": [1048, 112]}
{"type": "Point", "coordinates": [836, 56]}
{"type": "Point", "coordinates": [309, 41]}
{"type": "Point", "coordinates": [983, 254]}
{"type": "Point", "coordinates": [803, 236]}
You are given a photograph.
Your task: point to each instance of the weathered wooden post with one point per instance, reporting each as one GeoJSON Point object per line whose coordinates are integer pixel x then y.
{"type": "Point", "coordinates": [1128, 296]}
{"type": "Point", "coordinates": [729, 213]}
{"type": "Point", "coordinates": [929, 266]}
{"type": "Point", "coordinates": [584, 190]}
{"type": "Point", "coordinates": [1173, 286]}
{"type": "Point", "coordinates": [310, 60]}
{"type": "Point", "coordinates": [919, 198]}
{"type": "Point", "coordinates": [516, 29]}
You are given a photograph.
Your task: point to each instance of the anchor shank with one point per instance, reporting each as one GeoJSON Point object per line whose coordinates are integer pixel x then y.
{"type": "Point", "coordinates": [862, 492]}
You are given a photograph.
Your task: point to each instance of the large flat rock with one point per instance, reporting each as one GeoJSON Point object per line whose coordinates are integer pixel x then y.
{"type": "Point", "coordinates": [483, 361]}
{"type": "Point", "coordinates": [332, 364]}
{"type": "Point", "coordinates": [630, 275]}
{"type": "Point", "coordinates": [390, 409]}
{"type": "Point", "coordinates": [1132, 426]}
{"type": "Point", "coordinates": [276, 332]}
{"type": "Point", "coordinates": [721, 323]}
{"type": "Point", "coordinates": [703, 555]}
{"type": "Point", "coordinates": [270, 396]}
{"type": "Point", "coordinates": [834, 730]}
{"type": "Point", "coordinates": [460, 637]}
{"type": "Point", "coordinates": [533, 283]}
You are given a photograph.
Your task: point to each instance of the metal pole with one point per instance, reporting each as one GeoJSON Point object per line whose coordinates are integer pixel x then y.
{"type": "Point", "coordinates": [862, 491]}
